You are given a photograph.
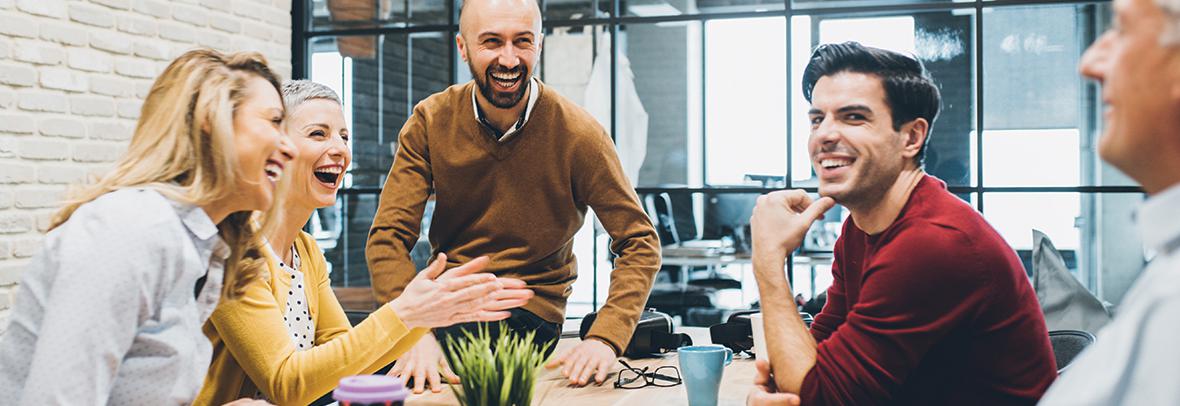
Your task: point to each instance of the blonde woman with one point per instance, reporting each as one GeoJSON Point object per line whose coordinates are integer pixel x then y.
{"type": "Point", "coordinates": [287, 339]}
{"type": "Point", "coordinates": [110, 311]}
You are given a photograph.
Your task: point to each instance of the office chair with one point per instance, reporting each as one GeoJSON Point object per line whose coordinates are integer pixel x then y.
{"type": "Point", "coordinates": [1067, 344]}
{"type": "Point", "coordinates": [672, 216]}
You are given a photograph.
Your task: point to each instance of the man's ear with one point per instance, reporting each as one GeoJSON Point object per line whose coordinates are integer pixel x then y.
{"type": "Point", "coordinates": [461, 46]}
{"type": "Point", "coordinates": [915, 132]}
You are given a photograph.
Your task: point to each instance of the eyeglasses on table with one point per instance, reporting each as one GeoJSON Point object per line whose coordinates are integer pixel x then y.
{"type": "Point", "coordinates": [634, 378]}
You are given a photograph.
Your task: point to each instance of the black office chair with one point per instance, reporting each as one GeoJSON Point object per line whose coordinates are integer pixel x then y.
{"type": "Point", "coordinates": [672, 216]}
{"type": "Point", "coordinates": [1067, 344]}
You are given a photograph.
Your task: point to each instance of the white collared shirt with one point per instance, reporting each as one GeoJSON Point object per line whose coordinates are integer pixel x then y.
{"type": "Point", "coordinates": [528, 109]}
{"type": "Point", "coordinates": [108, 311]}
{"type": "Point", "coordinates": [1136, 358]}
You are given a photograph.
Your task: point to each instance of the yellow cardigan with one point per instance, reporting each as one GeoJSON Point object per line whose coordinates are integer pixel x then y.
{"type": "Point", "coordinates": [252, 350]}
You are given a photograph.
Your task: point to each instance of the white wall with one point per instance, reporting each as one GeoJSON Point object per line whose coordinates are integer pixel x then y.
{"type": "Point", "coordinates": [73, 75]}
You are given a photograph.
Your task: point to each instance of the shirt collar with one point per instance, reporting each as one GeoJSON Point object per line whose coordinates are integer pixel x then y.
{"type": "Point", "coordinates": [524, 117]}
{"type": "Point", "coordinates": [1158, 223]}
{"type": "Point", "coordinates": [294, 265]}
{"type": "Point", "coordinates": [198, 222]}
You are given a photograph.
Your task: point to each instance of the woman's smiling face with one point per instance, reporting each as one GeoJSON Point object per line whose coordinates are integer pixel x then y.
{"type": "Point", "coordinates": [263, 151]}
{"type": "Point", "coordinates": [317, 128]}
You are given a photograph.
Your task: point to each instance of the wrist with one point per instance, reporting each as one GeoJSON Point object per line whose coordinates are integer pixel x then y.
{"type": "Point", "coordinates": [767, 252]}
{"type": "Point", "coordinates": [606, 343]}
{"type": "Point", "coordinates": [770, 272]}
{"type": "Point", "coordinates": [399, 310]}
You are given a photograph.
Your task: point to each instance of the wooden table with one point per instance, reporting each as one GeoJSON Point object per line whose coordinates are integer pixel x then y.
{"type": "Point", "coordinates": [554, 389]}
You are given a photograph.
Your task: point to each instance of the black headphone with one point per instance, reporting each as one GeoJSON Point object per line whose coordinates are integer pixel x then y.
{"type": "Point", "coordinates": [737, 333]}
{"type": "Point", "coordinates": [653, 334]}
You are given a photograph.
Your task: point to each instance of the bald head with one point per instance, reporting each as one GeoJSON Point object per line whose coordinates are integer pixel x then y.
{"type": "Point", "coordinates": [475, 14]}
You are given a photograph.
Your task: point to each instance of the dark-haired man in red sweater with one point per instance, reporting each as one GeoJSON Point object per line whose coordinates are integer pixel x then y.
{"type": "Point", "coordinates": [929, 305]}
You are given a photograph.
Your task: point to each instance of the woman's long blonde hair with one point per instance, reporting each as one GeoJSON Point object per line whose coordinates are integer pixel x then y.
{"type": "Point", "coordinates": [183, 147]}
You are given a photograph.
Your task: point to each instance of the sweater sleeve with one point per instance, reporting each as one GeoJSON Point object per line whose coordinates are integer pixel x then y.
{"type": "Point", "coordinates": [600, 182]}
{"type": "Point", "coordinates": [836, 307]}
{"type": "Point", "coordinates": [917, 289]}
{"type": "Point", "coordinates": [399, 214]}
{"type": "Point", "coordinates": [332, 322]}
{"type": "Point", "coordinates": [252, 330]}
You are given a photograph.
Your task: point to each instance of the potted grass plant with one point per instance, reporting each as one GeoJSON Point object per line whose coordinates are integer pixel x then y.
{"type": "Point", "coordinates": [495, 371]}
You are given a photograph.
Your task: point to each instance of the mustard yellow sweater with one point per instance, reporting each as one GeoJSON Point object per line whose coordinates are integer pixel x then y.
{"type": "Point", "coordinates": [252, 350]}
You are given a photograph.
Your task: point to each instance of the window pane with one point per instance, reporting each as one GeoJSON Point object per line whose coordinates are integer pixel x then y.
{"type": "Point", "coordinates": [347, 254]}
{"type": "Point", "coordinates": [706, 244]}
{"type": "Point", "coordinates": [576, 9]}
{"type": "Point", "coordinates": [822, 4]}
{"type": "Point", "coordinates": [1094, 233]}
{"type": "Point", "coordinates": [665, 73]}
{"type": "Point", "coordinates": [745, 127]}
{"type": "Point", "coordinates": [706, 239]}
{"type": "Point", "coordinates": [1041, 118]}
{"type": "Point", "coordinates": [380, 79]}
{"type": "Point", "coordinates": [653, 8]}
{"type": "Point", "coordinates": [347, 14]}
{"type": "Point", "coordinates": [327, 227]}
{"type": "Point", "coordinates": [343, 229]}
{"type": "Point", "coordinates": [567, 60]}
{"type": "Point", "coordinates": [942, 40]}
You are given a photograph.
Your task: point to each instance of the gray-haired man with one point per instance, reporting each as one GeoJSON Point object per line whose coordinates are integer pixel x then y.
{"type": "Point", "coordinates": [1136, 359]}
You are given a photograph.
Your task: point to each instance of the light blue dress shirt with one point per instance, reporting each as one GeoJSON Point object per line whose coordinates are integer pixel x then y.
{"type": "Point", "coordinates": [108, 312]}
{"type": "Point", "coordinates": [1136, 358]}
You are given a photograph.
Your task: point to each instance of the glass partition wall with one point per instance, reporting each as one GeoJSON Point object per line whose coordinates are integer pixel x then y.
{"type": "Point", "coordinates": [703, 100]}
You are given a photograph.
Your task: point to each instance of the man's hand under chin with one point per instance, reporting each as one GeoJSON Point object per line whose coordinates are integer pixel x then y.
{"type": "Point", "coordinates": [781, 220]}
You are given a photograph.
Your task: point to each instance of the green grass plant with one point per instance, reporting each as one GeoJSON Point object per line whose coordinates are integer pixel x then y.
{"type": "Point", "coordinates": [497, 371]}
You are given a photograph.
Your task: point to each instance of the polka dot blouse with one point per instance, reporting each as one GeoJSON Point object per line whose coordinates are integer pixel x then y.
{"type": "Point", "coordinates": [300, 326]}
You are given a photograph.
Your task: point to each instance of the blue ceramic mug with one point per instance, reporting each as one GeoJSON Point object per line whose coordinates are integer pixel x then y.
{"type": "Point", "coordinates": [701, 367]}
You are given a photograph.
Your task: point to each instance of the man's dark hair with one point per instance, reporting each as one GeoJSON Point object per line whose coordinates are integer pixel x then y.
{"type": "Point", "coordinates": [910, 93]}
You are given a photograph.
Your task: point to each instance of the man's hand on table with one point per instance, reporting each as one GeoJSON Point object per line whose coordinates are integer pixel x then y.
{"type": "Point", "coordinates": [765, 393]}
{"type": "Point", "coordinates": [591, 357]}
{"type": "Point", "coordinates": [424, 363]}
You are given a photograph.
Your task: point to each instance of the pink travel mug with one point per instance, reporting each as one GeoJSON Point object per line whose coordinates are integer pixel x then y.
{"type": "Point", "coordinates": [370, 390]}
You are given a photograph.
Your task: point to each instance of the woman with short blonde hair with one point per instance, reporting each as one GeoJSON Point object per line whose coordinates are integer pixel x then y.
{"type": "Point", "coordinates": [110, 311]}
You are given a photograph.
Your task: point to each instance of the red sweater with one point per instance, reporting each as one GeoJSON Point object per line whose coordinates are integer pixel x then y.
{"type": "Point", "coordinates": [935, 310]}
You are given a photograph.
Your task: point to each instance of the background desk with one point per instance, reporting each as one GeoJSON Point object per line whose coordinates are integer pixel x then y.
{"type": "Point", "coordinates": [553, 389]}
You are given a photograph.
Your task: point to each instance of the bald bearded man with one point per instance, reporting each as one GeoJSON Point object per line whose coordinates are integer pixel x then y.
{"type": "Point", "coordinates": [513, 166]}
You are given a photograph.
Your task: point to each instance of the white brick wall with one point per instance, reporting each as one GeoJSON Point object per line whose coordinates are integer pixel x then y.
{"type": "Point", "coordinates": [73, 74]}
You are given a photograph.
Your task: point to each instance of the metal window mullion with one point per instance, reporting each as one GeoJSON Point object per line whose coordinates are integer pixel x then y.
{"type": "Point", "coordinates": [788, 182]}
{"type": "Point", "coordinates": [979, 105]}
{"type": "Point", "coordinates": [704, 105]}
